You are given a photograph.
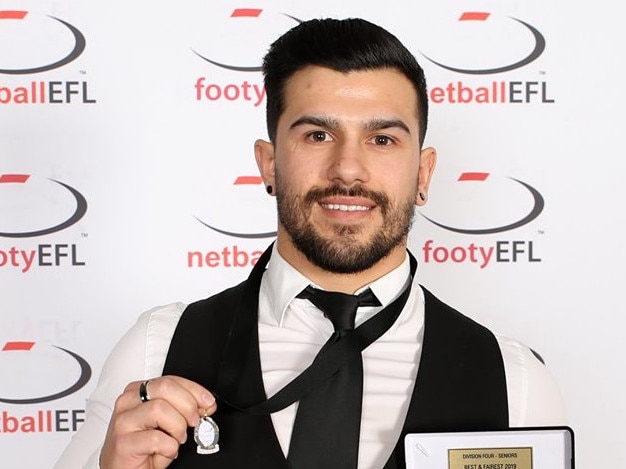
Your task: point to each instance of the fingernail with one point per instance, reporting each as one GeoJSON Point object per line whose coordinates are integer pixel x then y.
{"type": "Point", "coordinates": [208, 399]}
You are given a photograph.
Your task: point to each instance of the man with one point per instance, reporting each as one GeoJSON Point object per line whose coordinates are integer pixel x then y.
{"type": "Point", "coordinates": [346, 116]}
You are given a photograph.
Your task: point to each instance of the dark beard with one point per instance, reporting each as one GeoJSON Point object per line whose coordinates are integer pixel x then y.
{"type": "Point", "coordinates": [342, 253]}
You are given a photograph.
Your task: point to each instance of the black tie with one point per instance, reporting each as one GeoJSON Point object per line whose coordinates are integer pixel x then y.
{"type": "Point", "coordinates": [337, 355]}
{"type": "Point", "coordinates": [328, 421]}
{"type": "Point", "coordinates": [340, 308]}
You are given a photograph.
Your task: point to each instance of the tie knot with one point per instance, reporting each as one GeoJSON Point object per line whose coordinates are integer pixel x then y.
{"type": "Point", "coordinates": [340, 308]}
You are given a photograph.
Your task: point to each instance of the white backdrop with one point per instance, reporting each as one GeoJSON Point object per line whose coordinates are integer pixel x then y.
{"type": "Point", "coordinates": [158, 142]}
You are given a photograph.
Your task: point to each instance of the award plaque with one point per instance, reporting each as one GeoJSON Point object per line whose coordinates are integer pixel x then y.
{"type": "Point", "coordinates": [516, 448]}
{"type": "Point", "coordinates": [472, 458]}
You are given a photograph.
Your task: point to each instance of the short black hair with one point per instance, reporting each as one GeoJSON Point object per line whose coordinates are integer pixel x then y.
{"type": "Point", "coordinates": [346, 45]}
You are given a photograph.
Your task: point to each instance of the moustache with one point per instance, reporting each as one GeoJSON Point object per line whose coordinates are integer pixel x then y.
{"type": "Point", "coordinates": [317, 194]}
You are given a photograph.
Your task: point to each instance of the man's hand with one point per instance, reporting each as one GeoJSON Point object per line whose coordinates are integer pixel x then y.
{"type": "Point", "coordinates": [146, 435]}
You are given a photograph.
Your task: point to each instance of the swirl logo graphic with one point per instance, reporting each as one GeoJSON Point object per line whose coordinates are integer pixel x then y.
{"type": "Point", "coordinates": [251, 26]}
{"type": "Point", "coordinates": [524, 204]}
{"type": "Point", "coordinates": [31, 34]}
{"type": "Point", "coordinates": [484, 37]}
{"type": "Point", "coordinates": [239, 182]}
{"type": "Point", "coordinates": [21, 197]}
{"type": "Point", "coordinates": [35, 371]}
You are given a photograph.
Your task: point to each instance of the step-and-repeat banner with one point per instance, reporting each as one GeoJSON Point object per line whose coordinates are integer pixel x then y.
{"type": "Point", "coordinates": [127, 180]}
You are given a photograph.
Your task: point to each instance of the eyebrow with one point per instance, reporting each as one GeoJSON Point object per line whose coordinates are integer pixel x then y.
{"type": "Point", "coordinates": [381, 124]}
{"type": "Point", "coordinates": [329, 123]}
{"type": "Point", "coordinates": [319, 121]}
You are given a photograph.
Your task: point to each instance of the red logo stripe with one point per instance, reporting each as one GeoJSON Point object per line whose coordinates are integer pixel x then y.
{"type": "Point", "coordinates": [473, 176]}
{"type": "Point", "coordinates": [246, 12]}
{"type": "Point", "coordinates": [14, 178]}
{"type": "Point", "coordinates": [9, 346]}
{"type": "Point", "coordinates": [248, 180]}
{"type": "Point", "coordinates": [12, 15]}
{"type": "Point", "coordinates": [474, 16]}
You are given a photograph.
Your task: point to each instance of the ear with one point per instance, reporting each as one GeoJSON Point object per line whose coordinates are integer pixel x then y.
{"type": "Point", "coordinates": [264, 155]}
{"type": "Point", "coordinates": [428, 160]}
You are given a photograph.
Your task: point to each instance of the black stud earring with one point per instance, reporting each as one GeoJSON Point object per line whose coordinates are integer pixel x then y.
{"type": "Point", "coordinates": [422, 196]}
{"type": "Point", "coordinates": [269, 189]}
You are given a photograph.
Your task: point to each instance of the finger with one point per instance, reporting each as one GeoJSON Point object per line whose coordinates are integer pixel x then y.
{"type": "Point", "coordinates": [202, 395]}
{"type": "Point", "coordinates": [135, 449]}
{"type": "Point", "coordinates": [161, 462]}
{"type": "Point", "coordinates": [185, 395]}
{"type": "Point", "coordinates": [153, 442]}
{"type": "Point", "coordinates": [155, 414]}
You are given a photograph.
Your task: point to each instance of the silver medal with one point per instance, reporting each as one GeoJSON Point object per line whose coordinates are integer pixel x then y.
{"type": "Point", "coordinates": [206, 434]}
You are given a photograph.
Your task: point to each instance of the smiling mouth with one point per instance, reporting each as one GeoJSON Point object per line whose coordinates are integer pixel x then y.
{"type": "Point", "coordinates": [346, 208]}
{"type": "Point", "coordinates": [346, 203]}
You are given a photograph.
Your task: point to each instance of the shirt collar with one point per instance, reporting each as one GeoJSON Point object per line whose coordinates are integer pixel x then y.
{"type": "Point", "coordinates": [283, 282]}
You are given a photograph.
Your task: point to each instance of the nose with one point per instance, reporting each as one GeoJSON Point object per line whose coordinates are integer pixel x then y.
{"type": "Point", "coordinates": [348, 165]}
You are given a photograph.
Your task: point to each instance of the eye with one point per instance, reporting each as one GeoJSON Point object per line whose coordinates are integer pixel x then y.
{"type": "Point", "coordinates": [318, 136]}
{"type": "Point", "coordinates": [382, 140]}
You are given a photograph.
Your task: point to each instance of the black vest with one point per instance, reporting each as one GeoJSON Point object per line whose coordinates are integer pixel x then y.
{"type": "Point", "coordinates": [460, 385]}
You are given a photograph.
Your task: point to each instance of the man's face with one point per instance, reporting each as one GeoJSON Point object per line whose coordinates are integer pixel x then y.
{"type": "Point", "coordinates": [345, 166]}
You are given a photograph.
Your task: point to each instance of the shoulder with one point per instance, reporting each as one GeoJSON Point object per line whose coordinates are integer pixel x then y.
{"type": "Point", "coordinates": [224, 298]}
{"type": "Point", "coordinates": [211, 314]}
{"type": "Point", "coordinates": [455, 323]}
{"type": "Point", "coordinates": [534, 396]}
{"type": "Point", "coordinates": [141, 350]}
{"type": "Point", "coordinates": [159, 324]}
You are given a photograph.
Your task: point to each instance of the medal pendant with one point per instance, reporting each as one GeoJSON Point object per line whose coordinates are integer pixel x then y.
{"type": "Point", "coordinates": [206, 434]}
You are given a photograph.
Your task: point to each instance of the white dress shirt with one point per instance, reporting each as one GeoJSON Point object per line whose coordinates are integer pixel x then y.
{"type": "Point", "coordinates": [291, 331]}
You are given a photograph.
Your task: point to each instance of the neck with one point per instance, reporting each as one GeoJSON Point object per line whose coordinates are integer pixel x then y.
{"type": "Point", "coordinates": [344, 283]}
